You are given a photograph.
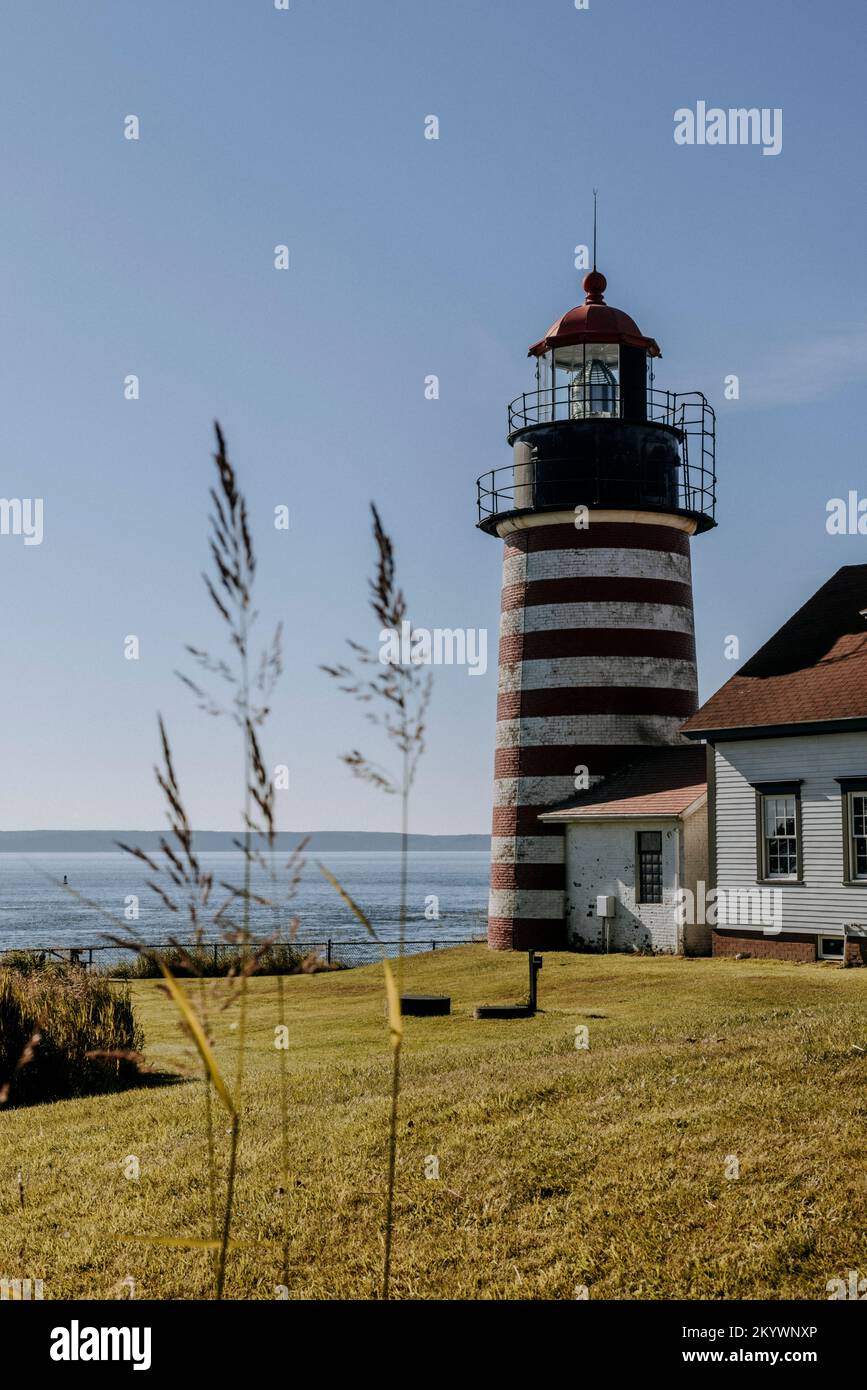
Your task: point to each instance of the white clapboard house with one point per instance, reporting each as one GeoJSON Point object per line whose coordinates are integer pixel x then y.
{"type": "Point", "coordinates": [750, 836]}
{"type": "Point", "coordinates": [787, 785]}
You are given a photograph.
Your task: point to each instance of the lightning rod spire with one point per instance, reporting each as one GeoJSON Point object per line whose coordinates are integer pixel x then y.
{"type": "Point", "coordinates": [595, 194]}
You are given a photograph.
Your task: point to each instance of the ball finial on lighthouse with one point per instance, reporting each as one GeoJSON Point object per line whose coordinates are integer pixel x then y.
{"type": "Point", "coordinates": [609, 480]}
{"type": "Point", "coordinates": [594, 286]}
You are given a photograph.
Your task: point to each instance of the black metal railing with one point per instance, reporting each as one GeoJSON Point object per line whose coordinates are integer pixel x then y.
{"type": "Point", "coordinates": [550, 485]}
{"type": "Point", "coordinates": [539, 480]}
{"type": "Point", "coordinates": [592, 400]}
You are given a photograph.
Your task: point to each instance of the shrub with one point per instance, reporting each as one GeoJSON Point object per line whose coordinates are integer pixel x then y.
{"type": "Point", "coordinates": [25, 962]}
{"type": "Point", "coordinates": [75, 1015]}
{"type": "Point", "coordinates": [209, 961]}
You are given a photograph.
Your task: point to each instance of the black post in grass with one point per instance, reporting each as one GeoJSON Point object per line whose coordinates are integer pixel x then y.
{"type": "Point", "coordinates": [516, 1010]}
{"type": "Point", "coordinates": [535, 963]}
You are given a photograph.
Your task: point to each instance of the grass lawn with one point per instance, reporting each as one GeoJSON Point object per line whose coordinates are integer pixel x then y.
{"type": "Point", "coordinates": [557, 1166]}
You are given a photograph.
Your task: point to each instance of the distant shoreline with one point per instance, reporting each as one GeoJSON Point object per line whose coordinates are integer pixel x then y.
{"type": "Point", "coordinates": [102, 841]}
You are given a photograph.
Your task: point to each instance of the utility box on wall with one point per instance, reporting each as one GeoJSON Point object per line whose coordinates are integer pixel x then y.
{"type": "Point", "coordinates": [606, 905]}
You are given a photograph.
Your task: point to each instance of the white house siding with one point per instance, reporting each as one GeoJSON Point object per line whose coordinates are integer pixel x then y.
{"type": "Point", "coordinates": [600, 858]}
{"type": "Point", "coordinates": [821, 903]}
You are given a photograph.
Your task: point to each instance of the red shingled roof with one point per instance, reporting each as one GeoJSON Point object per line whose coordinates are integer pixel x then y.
{"type": "Point", "coordinates": [665, 783]}
{"type": "Point", "coordinates": [814, 669]}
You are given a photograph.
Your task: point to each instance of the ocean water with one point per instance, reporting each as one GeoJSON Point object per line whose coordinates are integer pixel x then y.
{"type": "Point", "coordinates": [36, 912]}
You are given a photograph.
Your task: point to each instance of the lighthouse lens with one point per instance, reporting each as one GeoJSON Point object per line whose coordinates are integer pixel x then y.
{"type": "Point", "coordinates": [594, 381]}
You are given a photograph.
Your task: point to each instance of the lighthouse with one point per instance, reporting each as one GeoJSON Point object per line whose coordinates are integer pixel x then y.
{"type": "Point", "coordinates": [610, 478]}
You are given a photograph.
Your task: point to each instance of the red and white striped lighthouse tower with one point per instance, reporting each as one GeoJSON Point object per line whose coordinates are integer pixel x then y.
{"type": "Point", "coordinates": [609, 480]}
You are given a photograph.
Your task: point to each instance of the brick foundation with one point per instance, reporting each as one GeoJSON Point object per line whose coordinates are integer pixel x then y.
{"type": "Point", "coordinates": [786, 946]}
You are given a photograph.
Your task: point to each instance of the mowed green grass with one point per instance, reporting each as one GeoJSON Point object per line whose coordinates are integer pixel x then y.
{"type": "Point", "coordinates": [558, 1167]}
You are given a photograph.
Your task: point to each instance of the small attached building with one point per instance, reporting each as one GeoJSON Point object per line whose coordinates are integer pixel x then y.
{"type": "Point", "coordinates": [787, 785]}
{"type": "Point", "coordinates": [633, 842]}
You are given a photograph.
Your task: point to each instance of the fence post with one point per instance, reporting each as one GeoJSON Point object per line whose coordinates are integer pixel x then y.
{"type": "Point", "coordinates": [329, 951]}
{"type": "Point", "coordinates": [215, 955]}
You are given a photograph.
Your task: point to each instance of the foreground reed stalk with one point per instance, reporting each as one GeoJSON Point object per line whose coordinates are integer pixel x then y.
{"type": "Point", "coordinates": [178, 872]}
{"type": "Point", "coordinates": [406, 783]}
{"type": "Point", "coordinates": [398, 698]}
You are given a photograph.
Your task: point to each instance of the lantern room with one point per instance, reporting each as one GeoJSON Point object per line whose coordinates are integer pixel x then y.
{"type": "Point", "coordinates": [596, 431]}
{"type": "Point", "coordinates": [593, 362]}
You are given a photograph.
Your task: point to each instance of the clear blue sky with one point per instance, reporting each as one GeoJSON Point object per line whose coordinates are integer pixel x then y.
{"type": "Point", "coordinates": [408, 257]}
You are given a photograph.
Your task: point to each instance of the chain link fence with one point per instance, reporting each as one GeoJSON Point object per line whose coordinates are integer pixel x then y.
{"type": "Point", "coordinates": [349, 953]}
{"type": "Point", "coordinates": [333, 951]}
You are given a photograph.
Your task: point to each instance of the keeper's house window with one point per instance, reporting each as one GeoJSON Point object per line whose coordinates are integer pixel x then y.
{"type": "Point", "coordinates": [649, 855]}
{"type": "Point", "coordinates": [778, 831]}
{"type": "Point", "coordinates": [854, 799]}
{"type": "Point", "coordinates": [830, 948]}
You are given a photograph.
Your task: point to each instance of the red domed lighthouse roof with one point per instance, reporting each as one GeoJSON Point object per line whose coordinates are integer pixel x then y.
{"type": "Point", "coordinates": [594, 321]}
